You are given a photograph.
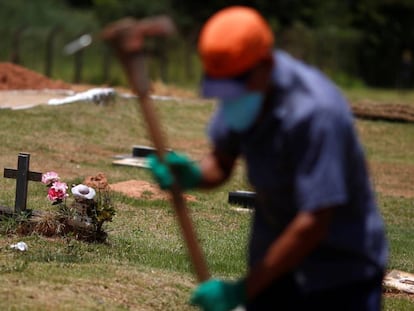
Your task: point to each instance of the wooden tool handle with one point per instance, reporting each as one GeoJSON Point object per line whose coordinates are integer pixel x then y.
{"type": "Point", "coordinates": [136, 70]}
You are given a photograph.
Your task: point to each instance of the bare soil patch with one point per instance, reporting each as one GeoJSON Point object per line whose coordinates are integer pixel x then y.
{"type": "Point", "coordinates": [393, 179]}
{"type": "Point", "coordinates": [371, 110]}
{"type": "Point", "coordinates": [144, 190]}
{"type": "Point", "coordinates": [394, 293]}
{"type": "Point", "coordinates": [14, 77]}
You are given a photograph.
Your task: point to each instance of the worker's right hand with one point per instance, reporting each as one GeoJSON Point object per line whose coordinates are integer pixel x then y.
{"type": "Point", "coordinates": [186, 173]}
{"type": "Point", "coordinates": [219, 295]}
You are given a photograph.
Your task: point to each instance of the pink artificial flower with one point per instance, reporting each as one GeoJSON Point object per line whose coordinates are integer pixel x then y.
{"type": "Point", "coordinates": [49, 178]}
{"type": "Point", "coordinates": [57, 192]}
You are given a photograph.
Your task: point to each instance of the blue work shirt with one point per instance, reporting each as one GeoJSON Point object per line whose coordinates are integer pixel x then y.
{"type": "Point", "coordinates": [304, 155]}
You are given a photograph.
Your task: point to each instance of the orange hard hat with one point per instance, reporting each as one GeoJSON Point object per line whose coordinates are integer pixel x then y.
{"type": "Point", "coordinates": [233, 41]}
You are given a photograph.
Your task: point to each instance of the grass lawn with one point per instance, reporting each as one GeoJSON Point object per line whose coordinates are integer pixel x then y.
{"type": "Point", "coordinates": [144, 265]}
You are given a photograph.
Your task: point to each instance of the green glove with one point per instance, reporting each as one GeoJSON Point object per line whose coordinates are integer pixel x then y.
{"type": "Point", "coordinates": [187, 173]}
{"type": "Point", "coordinates": [218, 295]}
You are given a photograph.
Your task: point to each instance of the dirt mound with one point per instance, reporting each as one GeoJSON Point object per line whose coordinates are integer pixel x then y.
{"type": "Point", "coordinates": [371, 110]}
{"type": "Point", "coordinates": [14, 77]}
{"type": "Point", "coordinates": [144, 190]}
{"type": "Point", "coordinates": [98, 182]}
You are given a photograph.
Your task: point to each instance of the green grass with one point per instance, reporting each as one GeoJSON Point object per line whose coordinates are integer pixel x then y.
{"type": "Point", "coordinates": [399, 214]}
{"type": "Point", "coordinates": [144, 264]}
{"type": "Point", "coordinates": [380, 96]}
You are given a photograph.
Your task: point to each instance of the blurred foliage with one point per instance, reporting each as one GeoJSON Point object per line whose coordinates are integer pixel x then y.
{"type": "Point", "coordinates": [364, 40]}
{"type": "Point", "coordinates": [45, 13]}
{"type": "Point", "coordinates": [110, 10]}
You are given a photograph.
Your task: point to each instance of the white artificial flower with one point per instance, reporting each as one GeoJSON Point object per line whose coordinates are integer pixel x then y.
{"type": "Point", "coordinates": [83, 191]}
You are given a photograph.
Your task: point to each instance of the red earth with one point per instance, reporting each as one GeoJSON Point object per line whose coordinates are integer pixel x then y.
{"type": "Point", "coordinates": [15, 77]}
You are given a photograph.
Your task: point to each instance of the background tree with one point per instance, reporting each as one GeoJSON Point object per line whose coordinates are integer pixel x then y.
{"type": "Point", "coordinates": [388, 31]}
{"type": "Point", "coordinates": [354, 41]}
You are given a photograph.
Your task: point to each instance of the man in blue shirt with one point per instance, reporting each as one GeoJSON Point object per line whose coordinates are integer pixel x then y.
{"type": "Point", "coordinates": [317, 239]}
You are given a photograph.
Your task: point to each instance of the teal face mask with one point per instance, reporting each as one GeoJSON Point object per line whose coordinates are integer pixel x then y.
{"type": "Point", "coordinates": [241, 113]}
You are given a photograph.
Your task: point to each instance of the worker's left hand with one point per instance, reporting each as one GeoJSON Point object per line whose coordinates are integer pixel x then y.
{"type": "Point", "coordinates": [218, 295]}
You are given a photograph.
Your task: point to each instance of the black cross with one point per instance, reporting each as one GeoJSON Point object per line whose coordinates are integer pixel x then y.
{"type": "Point", "coordinates": [22, 176]}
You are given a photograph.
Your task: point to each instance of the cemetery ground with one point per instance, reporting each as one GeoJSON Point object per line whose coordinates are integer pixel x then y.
{"type": "Point", "coordinates": [143, 264]}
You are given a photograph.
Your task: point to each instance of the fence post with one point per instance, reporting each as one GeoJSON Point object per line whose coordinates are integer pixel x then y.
{"type": "Point", "coordinates": [15, 52]}
{"type": "Point", "coordinates": [78, 62]}
{"type": "Point", "coordinates": [163, 60]}
{"type": "Point", "coordinates": [107, 58]}
{"type": "Point", "coordinates": [78, 57]}
{"type": "Point", "coordinates": [50, 49]}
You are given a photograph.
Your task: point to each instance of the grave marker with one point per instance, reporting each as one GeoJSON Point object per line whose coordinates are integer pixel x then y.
{"type": "Point", "coordinates": [22, 175]}
{"type": "Point", "coordinates": [246, 199]}
{"type": "Point", "coordinates": [137, 158]}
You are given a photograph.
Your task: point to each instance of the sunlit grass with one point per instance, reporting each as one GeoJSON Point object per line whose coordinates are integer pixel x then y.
{"type": "Point", "coordinates": [144, 264]}
{"type": "Point", "coordinates": [380, 96]}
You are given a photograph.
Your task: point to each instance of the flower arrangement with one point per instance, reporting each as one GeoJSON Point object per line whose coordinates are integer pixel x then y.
{"type": "Point", "coordinates": [57, 190]}
{"type": "Point", "coordinates": [84, 215]}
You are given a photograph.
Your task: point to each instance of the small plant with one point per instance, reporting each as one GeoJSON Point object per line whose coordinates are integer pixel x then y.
{"type": "Point", "coordinates": [84, 215]}
{"type": "Point", "coordinates": [46, 223]}
{"type": "Point", "coordinates": [10, 225]}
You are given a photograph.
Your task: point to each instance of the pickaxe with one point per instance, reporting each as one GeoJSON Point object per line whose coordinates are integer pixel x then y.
{"type": "Point", "coordinates": [127, 37]}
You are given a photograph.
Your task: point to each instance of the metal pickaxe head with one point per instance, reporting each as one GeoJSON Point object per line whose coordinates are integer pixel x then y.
{"type": "Point", "coordinates": [127, 37]}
